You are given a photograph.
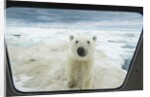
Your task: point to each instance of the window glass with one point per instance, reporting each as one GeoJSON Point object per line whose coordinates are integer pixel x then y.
{"type": "Point", "coordinates": [45, 44]}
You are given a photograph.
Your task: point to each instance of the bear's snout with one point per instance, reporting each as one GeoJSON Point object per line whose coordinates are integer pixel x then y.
{"type": "Point", "coordinates": [81, 51]}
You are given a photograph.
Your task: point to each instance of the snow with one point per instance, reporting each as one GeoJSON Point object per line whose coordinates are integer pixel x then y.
{"type": "Point", "coordinates": [38, 43]}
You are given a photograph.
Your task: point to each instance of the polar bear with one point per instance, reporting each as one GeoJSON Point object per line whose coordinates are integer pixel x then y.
{"type": "Point", "coordinates": [80, 61]}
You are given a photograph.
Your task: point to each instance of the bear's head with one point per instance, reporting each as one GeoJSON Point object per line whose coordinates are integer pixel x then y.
{"type": "Point", "coordinates": [82, 46]}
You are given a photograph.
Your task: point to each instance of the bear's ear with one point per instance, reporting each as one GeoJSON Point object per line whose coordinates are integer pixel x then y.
{"type": "Point", "coordinates": [94, 38]}
{"type": "Point", "coordinates": [71, 37]}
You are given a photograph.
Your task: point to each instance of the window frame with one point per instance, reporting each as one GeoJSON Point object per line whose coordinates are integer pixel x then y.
{"type": "Point", "coordinates": [135, 68]}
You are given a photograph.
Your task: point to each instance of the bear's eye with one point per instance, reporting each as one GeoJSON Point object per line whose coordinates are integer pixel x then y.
{"type": "Point", "coordinates": [77, 41]}
{"type": "Point", "coordinates": [88, 42]}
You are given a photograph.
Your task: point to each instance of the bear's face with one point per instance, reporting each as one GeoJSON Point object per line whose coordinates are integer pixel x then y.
{"type": "Point", "coordinates": [82, 46]}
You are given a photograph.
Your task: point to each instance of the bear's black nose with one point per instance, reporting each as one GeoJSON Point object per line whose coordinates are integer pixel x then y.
{"type": "Point", "coordinates": [81, 51]}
